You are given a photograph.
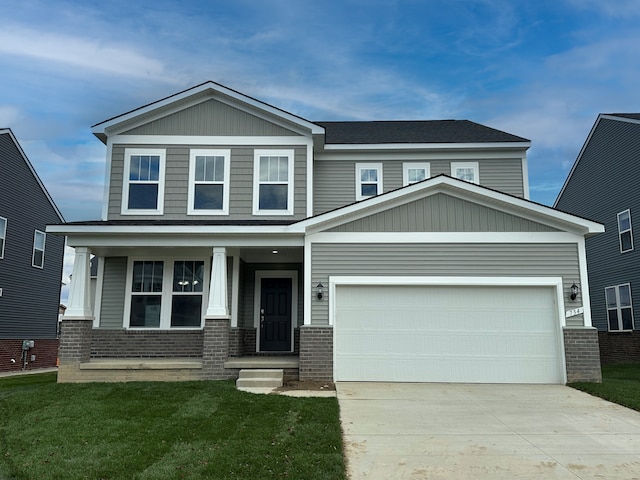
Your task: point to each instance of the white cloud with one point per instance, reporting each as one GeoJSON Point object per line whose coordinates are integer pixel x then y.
{"type": "Point", "coordinates": [83, 52]}
{"type": "Point", "coordinates": [9, 115]}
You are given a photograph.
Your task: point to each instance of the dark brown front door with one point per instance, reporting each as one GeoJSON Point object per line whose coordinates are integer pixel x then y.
{"type": "Point", "coordinates": [275, 315]}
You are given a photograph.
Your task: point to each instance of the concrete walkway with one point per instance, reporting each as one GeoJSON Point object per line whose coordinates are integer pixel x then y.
{"type": "Point", "coordinates": [462, 431]}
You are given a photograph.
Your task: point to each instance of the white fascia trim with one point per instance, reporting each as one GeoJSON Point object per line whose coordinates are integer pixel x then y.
{"type": "Point", "coordinates": [208, 141]}
{"type": "Point", "coordinates": [198, 230]}
{"type": "Point", "coordinates": [107, 181]}
{"type": "Point", "coordinates": [427, 146]}
{"type": "Point", "coordinates": [421, 156]}
{"type": "Point", "coordinates": [446, 185]}
{"type": "Point", "coordinates": [444, 237]}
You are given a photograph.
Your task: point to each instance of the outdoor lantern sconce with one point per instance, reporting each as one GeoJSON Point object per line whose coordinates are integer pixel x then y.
{"type": "Point", "coordinates": [319, 293]}
{"type": "Point", "coordinates": [574, 291]}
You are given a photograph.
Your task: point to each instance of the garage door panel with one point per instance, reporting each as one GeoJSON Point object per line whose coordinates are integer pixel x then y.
{"type": "Point", "coordinates": [446, 334]}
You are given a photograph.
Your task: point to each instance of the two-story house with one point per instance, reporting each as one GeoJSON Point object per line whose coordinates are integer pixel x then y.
{"type": "Point", "coordinates": [601, 186]}
{"type": "Point", "coordinates": [236, 234]}
{"type": "Point", "coordinates": [30, 263]}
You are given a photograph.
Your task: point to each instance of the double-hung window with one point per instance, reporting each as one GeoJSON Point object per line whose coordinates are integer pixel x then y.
{"type": "Point", "coordinates": [467, 171]}
{"type": "Point", "coordinates": [273, 182]}
{"type": "Point", "coordinates": [368, 180]}
{"type": "Point", "coordinates": [209, 182]}
{"type": "Point", "coordinates": [143, 182]}
{"type": "Point", "coordinates": [39, 239]}
{"type": "Point", "coordinates": [619, 307]}
{"type": "Point", "coordinates": [414, 172]}
{"type": "Point", "coordinates": [625, 232]}
{"type": "Point", "coordinates": [3, 235]}
{"type": "Point", "coordinates": [165, 294]}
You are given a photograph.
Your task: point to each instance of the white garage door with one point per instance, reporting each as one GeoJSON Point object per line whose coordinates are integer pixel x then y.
{"type": "Point", "coordinates": [416, 333]}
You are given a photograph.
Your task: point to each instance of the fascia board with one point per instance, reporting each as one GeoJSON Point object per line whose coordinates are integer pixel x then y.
{"type": "Point", "coordinates": [429, 146]}
{"type": "Point", "coordinates": [190, 230]}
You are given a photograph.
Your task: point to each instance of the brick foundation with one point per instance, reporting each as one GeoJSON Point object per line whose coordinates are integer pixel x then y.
{"type": "Point", "coordinates": [146, 344]}
{"type": "Point", "coordinates": [216, 349]}
{"type": "Point", "coordinates": [45, 351]}
{"type": "Point", "coordinates": [582, 355]}
{"type": "Point", "coordinates": [619, 347]}
{"type": "Point", "coordinates": [75, 341]}
{"type": "Point", "coordinates": [316, 353]}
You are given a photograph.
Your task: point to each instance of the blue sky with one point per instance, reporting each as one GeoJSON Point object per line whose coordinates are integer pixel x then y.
{"type": "Point", "coordinates": [539, 69]}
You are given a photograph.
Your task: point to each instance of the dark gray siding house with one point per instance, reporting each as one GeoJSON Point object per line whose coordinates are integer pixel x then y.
{"type": "Point", "coordinates": [603, 187]}
{"type": "Point", "coordinates": [235, 235]}
{"type": "Point", "coordinates": [30, 263]}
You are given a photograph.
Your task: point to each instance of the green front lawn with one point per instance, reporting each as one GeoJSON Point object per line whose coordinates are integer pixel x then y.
{"type": "Point", "coordinates": [620, 384]}
{"type": "Point", "coordinates": [192, 430]}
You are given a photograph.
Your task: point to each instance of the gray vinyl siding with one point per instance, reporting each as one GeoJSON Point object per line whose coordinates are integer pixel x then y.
{"type": "Point", "coordinates": [442, 213]}
{"type": "Point", "coordinates": [113, 292]}
{"type": "Point", "coordinates": [602, 185]}
{"type": "Point", "coordinates": [335, 184]}
{"type": "Point", "coordinates": [211, 118]}
{"type": "Point", "coordinates": [30, 296]}
{"type": "Point", "coordinates": [452, 260]}
{"type": "Point", "coordinates": [177, 183]}
{"type": "Point", "coordinates": [248, 288]}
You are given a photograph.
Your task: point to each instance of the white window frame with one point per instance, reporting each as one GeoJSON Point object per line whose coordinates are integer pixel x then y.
{"type": "Point", "coordinates": [473, 165]}
{"type": "Point", "coordinates": [3, 235]}
{"type": "Point", "coordinates": [226, 153]}
{"type": "Point", "coordinates": [379, 183]}
{"type": "Point", "coordinates": [128, 153]}
{"type": "Point", "coordinates": [33, 253]}
{"type": "Point", "coordinates": [257, 182]}
{"type": "Point", "coordinates": [406, 166]}
{"type": "Point", "coordinates": [167, 291]}
{"type": "Point", "coordinates": [620, 231]}
{"type": "Point", "coordinates": [619, 308]}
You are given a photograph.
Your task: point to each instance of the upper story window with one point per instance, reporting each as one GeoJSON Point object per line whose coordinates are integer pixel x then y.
{"type": "Point", "coordinates": [3, 235]}
{"type": "Point", "coordinates": [143, 185]}
{"type": "Point", "coordinates": [619, 307]}
{"type": "Point", "coordinates": [625, 232]}
{"type": "Point", "coordinates": [273, 182]}
{"type": "Point", "coordinates": [467, 171]}
{"type": "Point", "coordinates": [368, 180]}
{"type": "Point", "coordinates": [209, 182]}
{"type": "Point", "coordinates": [39, 239]}
{"type": "Point", "coordinates": [166, 294]}
{"type": "Point", "coordinates": [414, 172]}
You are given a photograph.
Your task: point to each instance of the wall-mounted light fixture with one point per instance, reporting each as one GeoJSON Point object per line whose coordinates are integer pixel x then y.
{"type": "Point", "coordinates": [574, 291]}
{"type": "Point", "coordinates": [319, 293]}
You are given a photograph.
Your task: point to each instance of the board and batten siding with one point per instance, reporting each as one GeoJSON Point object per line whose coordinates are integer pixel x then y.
{"type": "Point", "coordinates": [211, 118]}
{"type": "Point", "coordinates": [114, 281]}
{"type": "Point", "coordinates": [447, 260]}
{"type": "Point", "coordinates": [30, 296]}
{"type": "Point", "coordinates": [335, 183]}
{"type": "Point", "coordinates": [602, 185]}
{"type": "Point", "coordinates": [442, 213]}
{"type": "Point", "coordinates": [177, 183]}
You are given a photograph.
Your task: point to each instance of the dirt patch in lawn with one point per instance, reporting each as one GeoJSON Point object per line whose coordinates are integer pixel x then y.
{"type": "Point", "coordinates": [313, 385]}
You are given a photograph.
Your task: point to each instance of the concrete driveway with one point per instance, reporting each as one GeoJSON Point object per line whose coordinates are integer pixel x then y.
{"type": "Point", "coordinates": [468, 431]}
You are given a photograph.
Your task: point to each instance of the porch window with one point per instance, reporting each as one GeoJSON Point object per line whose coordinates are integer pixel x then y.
{"type": "Point", "coordinates": [167, 294]}
{"type": "Point", "coordinates": [625, 232]}
{"type": "Point", "coordinates": [273, 182]}
{"type": "Point", "coordinates": [3, 235]}
{"type": "Point", "coordinates": [467, 171]}
{"type": "Point", "coordinates": [414, 172]}
{"type": "Point", "coordinates": [619, 307]}
{"type": "Point", "coordinates": [209, 182]}
{"type": "Point", "coordinates": [368, 180]}
{"type": "Point", "coordinates": [143, 183]}
{"type": "Point", "coordinates": [39, 239]}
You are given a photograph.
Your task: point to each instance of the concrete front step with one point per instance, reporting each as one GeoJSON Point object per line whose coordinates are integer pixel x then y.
{"type": "Point", "coordinates": [260, 378]}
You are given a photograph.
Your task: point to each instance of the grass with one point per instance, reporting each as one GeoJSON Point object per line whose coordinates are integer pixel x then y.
{"type": "Point", "coordinates": [154, 430]}
{"type": "Point", "coordinates": [620, 384]}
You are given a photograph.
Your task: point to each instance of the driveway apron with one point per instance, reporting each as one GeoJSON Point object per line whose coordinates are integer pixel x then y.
{"type": "Point", "coordinates": [478, 431]}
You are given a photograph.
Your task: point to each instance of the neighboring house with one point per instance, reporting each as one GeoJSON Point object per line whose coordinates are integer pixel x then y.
{"type": "Point", "coordinates": [602, 186]}
{"type": "Point", "coordinates": [30, 263]}
{"type": "Point", "coordinates": [234, 231]}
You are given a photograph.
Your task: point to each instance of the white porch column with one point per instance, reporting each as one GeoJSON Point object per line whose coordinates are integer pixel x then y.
{"type": "Point", "coordinates": [79, 293]}
{"type": "Point", "coordinates": [218, 304]}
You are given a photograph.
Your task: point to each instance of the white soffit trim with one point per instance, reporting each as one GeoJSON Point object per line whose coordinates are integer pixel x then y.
{"type": "Point", "coordinates": [448, 185]}
{"type": "Point", "coordinates": [209, 141]}
{"type": "Point", "coordinates": [427, 146]}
